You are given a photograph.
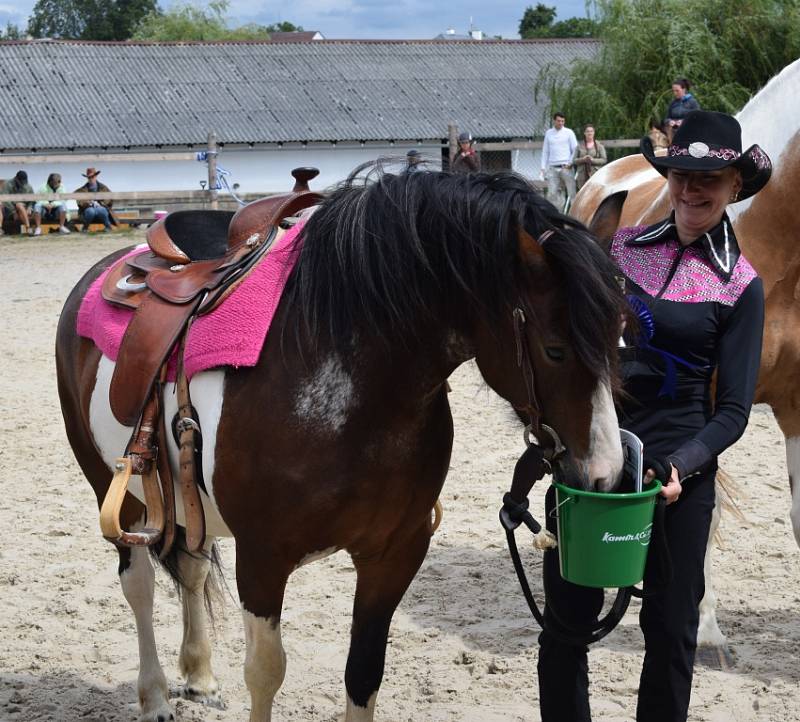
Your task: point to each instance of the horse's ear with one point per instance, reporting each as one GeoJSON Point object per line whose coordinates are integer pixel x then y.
{"type": "Point", "coordinates": [530, 250]}
{"type": "Point", "coordinates": [605, 220]}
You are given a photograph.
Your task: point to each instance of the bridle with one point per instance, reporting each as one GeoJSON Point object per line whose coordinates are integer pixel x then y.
{"type": "Point", "coordinates": [535, 428]}
{"type": "Point", "coordinates": [536, 461]}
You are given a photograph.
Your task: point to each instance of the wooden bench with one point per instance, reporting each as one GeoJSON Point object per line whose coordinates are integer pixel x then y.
{"type": "Point", "coordinates": [125, 219]}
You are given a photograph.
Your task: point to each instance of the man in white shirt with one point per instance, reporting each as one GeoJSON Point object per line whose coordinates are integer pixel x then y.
{"type": "Point", "coordinates": [559, 145]}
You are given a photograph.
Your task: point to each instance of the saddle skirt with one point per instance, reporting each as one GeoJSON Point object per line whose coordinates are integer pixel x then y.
{"type": "Point", "coordinates": [232, 334]}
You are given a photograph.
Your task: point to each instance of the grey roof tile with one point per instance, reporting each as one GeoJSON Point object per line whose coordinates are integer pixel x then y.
{"type": "Point", "coordinates": [173, 93]}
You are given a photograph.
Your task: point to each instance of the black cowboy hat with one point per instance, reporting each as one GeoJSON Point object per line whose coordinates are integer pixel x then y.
{"type": "Point", "coordinates": [710, 141]}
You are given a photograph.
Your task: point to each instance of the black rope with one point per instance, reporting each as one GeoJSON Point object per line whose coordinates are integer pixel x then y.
{"type": "Point", "coordinates": [561, 631]}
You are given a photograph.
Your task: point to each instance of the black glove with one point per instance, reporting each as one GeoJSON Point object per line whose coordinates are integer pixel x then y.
{"type": "Point", "coordinates": [661, 465]}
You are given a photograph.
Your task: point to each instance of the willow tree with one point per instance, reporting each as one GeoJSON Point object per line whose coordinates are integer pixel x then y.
{"type": "Point", "coordinates": [728, 49]}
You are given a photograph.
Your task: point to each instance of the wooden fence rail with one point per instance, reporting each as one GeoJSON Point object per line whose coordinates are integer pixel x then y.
{"type": "Point", "coordinates": [537, 144]}
{"type": "Point", "coordinates": [172, 196]}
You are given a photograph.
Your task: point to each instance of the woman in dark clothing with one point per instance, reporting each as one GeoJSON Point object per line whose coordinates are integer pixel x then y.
{"type": "Point", "coordinates": [466, 159]}
{"type": "Point", "coordinates": [700, 308]}
{"type": "Point", "coordinates": [682, 104]}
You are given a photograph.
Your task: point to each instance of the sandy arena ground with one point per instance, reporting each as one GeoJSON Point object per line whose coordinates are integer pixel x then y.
{"type": "Point", "coordinates": [462, 646]}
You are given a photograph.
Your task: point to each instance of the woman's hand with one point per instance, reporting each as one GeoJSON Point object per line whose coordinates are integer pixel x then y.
{"type": "Point", "coordinates": [671, 489]}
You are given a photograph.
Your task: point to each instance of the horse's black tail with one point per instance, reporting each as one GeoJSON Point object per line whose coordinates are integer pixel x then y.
{"type": "Point", "coordinates": [215, 588]}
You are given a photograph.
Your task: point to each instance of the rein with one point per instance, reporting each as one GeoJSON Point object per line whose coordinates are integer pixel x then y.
{"type": "Point", "coordinates": [533, 464]}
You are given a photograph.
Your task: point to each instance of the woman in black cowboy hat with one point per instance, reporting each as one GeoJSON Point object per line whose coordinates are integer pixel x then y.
{"type": "Point", "coordinates": [700, 309]}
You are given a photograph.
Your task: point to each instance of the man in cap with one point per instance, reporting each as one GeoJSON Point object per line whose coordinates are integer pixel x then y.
{"type": "Point", "coordinates": [466, 159]}
{"type": "Point", "coordinates": [19, 211]}
{"type": "Point", "coordinates": [413, 161]}
{"type": "Point", "coordinates": [95, 211]}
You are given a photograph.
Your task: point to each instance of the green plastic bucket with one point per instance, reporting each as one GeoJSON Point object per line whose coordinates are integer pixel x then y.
{"type": "Point", "coordinates": [603, 538]}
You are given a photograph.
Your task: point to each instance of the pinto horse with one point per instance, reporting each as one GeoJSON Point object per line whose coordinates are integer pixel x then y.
{"type": "Point", "coordinates": [630, 192]}
{"type": "Point", "coordinates": [340, 436]}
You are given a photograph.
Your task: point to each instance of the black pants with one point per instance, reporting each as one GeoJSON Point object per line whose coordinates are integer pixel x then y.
{"type": "Point", "coordinates": [668, 620]}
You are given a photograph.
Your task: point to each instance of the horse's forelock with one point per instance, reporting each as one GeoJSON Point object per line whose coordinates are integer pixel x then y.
{"type": "Point", "coordinates": [594, 298]}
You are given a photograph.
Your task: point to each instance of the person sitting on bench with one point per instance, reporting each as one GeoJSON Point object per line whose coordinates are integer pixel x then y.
{"type": "Point", "coordinates": [51, 211]}
{"type": "Point", "coordinates": [95, 211]}
{"type": "Point", "coordinates": [19, 211]}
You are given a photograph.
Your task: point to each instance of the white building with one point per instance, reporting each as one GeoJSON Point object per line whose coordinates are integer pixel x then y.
{"type": "Point", "coordinates": [332, 104]}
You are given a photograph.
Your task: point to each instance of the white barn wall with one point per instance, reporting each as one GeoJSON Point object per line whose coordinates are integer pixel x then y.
{"type": "Point", "coordinates": [527, 163]}
{"type": "Point", "coordinates": [258, 170]}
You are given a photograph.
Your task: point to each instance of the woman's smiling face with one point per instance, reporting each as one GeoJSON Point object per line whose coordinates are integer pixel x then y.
{"type": "Point", "coordinates": [700, 198]}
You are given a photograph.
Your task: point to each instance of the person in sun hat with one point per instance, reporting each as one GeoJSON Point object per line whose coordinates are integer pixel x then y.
{"type": "Point", "coordinates": [95, 211]}
{"type": "Point", "coordinates": [700, 311]}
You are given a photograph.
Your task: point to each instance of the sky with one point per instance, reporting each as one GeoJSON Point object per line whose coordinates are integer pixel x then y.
{"type": "Point", "coordinates": [384, 19]}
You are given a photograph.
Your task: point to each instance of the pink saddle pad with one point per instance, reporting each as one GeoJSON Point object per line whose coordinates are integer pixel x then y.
{"type": "Point", "coordinates": [233, 334]}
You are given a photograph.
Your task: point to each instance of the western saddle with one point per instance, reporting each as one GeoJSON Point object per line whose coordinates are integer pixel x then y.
{"type": "Point", "coordinates": [195, 259]}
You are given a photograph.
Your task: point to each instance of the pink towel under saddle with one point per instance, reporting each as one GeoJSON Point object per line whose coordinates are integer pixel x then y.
{"type": "Point", "coordinates": [231, 335]}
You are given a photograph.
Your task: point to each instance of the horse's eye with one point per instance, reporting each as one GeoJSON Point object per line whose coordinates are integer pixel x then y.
{"type": "Point", "coordinates": [555, 353]}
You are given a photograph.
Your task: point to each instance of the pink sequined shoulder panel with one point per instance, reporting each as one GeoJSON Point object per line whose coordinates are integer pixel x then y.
{"type": "Point", "coordinates": [695, 281]}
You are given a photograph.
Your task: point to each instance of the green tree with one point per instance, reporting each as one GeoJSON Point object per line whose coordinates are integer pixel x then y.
{"type": "Point", "coordinates": [194, 22]}
{"type": "Point", "coordinates": [87, 19]}
{"type": "Point", "coordinates": [284, 27]}
{"type": "Point", "coordinates": [536, 21]}
{"type": "Point", "coordinates": [11, 32]}
{"type": "Point", "coordinates": [728, 49]}
{"type": "Point", "coordinates": [573, 28]}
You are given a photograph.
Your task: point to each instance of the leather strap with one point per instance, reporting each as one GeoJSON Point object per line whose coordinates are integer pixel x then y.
{"type": "Point", "coordinates": [165, 474]}
{"type": "Point", "coordinates": [187, 472]}
{"type": "Point", "coordinates": [146, 346]}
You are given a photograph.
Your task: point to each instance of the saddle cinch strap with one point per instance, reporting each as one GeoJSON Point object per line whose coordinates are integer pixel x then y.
{"type": "Point", "coordinates": [168, 286]}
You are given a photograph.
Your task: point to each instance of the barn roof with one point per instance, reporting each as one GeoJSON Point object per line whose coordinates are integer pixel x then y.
{"type": "Point", "coordinates": [68, 94]}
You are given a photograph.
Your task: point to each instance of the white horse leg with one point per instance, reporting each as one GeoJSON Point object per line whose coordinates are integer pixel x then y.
{"type": "Point", "coordinates": [355, 713]}
{"type": "Point", "coordinates": [793, 464]}
{"type": "Point", "coordinates": [708, 631]}
{"type": "Point", "coordinates": [265, 663]}
{"type": "Point", "coordinates": [138, 583]}
{"type": "Point", "coordinates": [195, 656]}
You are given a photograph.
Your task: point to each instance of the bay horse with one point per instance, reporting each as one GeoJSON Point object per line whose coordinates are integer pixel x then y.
{"type": "Point", "coordinates": [630, 192]}
{"type": "Point", "coordinates": [340, 436]}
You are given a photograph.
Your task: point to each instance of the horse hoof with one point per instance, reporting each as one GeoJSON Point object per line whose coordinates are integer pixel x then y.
{"type": "Point", "coordinates": [209, 699]}
{"type": "Point", "coordinates": [715, 657]}
{"type": "Point", "coordinates": [164, 714]}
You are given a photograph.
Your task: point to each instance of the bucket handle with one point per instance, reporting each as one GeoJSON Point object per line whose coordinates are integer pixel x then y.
{"type": "Point", "coordinates": [554, 511]}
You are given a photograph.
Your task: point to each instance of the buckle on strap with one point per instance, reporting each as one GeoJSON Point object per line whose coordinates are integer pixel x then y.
{"type": "Point", "coordinates": [187, 423]}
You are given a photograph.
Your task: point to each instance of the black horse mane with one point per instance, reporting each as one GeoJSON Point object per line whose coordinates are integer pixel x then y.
{"type": "Point", "coordinates": [384, 254]}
